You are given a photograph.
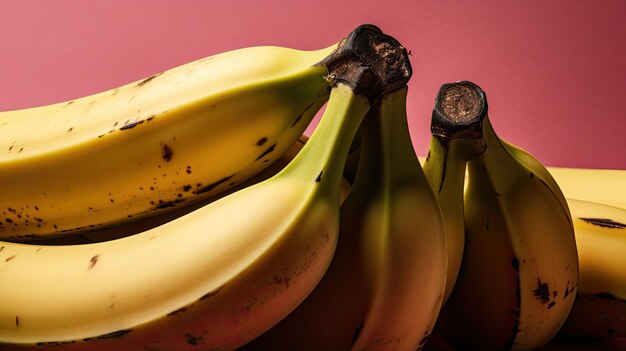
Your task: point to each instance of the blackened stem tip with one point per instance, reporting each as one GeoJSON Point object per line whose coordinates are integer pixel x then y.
{"type": "Point", "coordinates": [459, 111]}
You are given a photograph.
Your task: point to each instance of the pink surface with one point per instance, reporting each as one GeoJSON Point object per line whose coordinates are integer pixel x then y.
{"type": "Point", "coordinates": [554, 71]}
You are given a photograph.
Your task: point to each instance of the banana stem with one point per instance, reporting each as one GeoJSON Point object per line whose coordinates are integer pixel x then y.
{"type": "Point", "coordinates": [338, 125]}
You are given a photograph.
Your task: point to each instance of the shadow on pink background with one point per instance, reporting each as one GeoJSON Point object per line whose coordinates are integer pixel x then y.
{"type": "Point", "coordinates": [554, 71]}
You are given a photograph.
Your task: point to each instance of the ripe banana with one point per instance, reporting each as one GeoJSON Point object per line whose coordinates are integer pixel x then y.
{"type": "Point", "coordinates": [519, 269]}
{"type": "Point", "coordinates": [218, 276]}
{"type": "Point", "coordinates": [131, 228]}
{"type": "Point", "coordinates": [384, 287]}
{"type": "Point", "coordinates": [600, 306]}
{"type": "Point", "coordinates": [177, 137]}
{"type": "Point", "coordinates": [603, 186]}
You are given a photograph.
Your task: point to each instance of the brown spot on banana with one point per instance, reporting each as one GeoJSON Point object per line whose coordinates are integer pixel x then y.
{"type": "Point", "coordinates": [270, 149]}
{"type": "Point", "coordinates": [542, 292]}
{"type": "Point", "coordinates": [115, 334]}
{"type": "Point", "coordinates": [93, 261]}
{"type": "Point", "coordinates": [147, 80]}
{"type": "Point", "coordinates": [192, 339]}
{"type": "Point", "coordinates": [261, 141]}
{"type": "Point", "coordinates": [166, 152]}
{"type": "Point", "coordinates": [604, 222]}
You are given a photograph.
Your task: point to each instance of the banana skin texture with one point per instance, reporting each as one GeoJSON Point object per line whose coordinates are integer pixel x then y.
{"type": "Point", "coordinates": [175, 138]}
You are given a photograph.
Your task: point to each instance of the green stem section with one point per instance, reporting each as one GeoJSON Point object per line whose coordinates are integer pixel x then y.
{"type": "Point", "coordinates": [322, 159]}
{"type": "Point", "coordinates": [387, 153]}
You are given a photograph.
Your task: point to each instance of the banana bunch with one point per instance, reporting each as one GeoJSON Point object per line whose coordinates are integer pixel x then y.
{"type": "Point", "coordinates": [177, 137]}
{"type": "Point", "coordinates": [385, 284]}
{"type": "Point", "coordinates": [186, 211]}
{"type": "Point", "coordinates": [222, 274]}
{"type": "Point", "coordinates": [519, 268]}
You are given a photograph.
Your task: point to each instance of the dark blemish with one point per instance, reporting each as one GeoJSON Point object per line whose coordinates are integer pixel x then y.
{"type": "Point", "coordinates": [270, 149]}
{"type": "Point", "coordinates": [192, 339]}
{"type": "Point", "coordinates": [542, 292]}
{"type": "Point", "coordinates": [11, 147]}
{"type": "Point", "coordinates": [300, 116]}
{"type": "Point", "coordinates": [116, 123]}
{"type": "Point", "coordinates": [186, 187]}
{"type": "Point", "coordinates": [604, 222]}
{"type": "Point", "coordinates": [130, 125]}
{"type": "Point", "coordinates": [605, 295]}
{"type": "Point", "coordinates": [212, 185]}
{"type": "Point", "coordinates": [8, 220]}
{"type": "Point", "coordinates": [532, 175]}
{"type": "Point", "coordinates": [69, 130]}
{"type": "Point", "coordinates": [17, 321]}
{"type": "Point", "coordinates": [266, 161]}
{"type": "Point", "coordinates": [10, 258]}
{"type": "Point", "coordinates": [165, 204]}
{"type": "Point", "coordinates": [21, 149]}
{"type": "Point", "coordinates": [37, 208]}
{"type": "Point", "coordinates": [319, 177]}
{"type": "Point", "coordinates": [166, 152]}
{"type": "Point", "coordinates": [566, 293]}
{"type": "Point", "coordinates": [180, 310]}
{"type": "Point", "coordinates": [55, 343]}
{"type": "Point", "coordinates": [211, 293]}
{"type": "Point", "coordinates": [551, 304]}
{"type": "Point", "coordinates": [93, 261]}
{"type": "Point", "coordinates": [115, 334]}
{"type": "Point", "coordinates": [100, 136]}
{"type": "Point", "coordinates": [428, 156]}
{"type": "Point", "coordinates": [261, 141]}
{"type": "Point", "coordinates": [69, 103]}
{"type": "Point", "coordinates": [515, 264]}
{"type": "Point", "coordinates": [357, 332]}
{"type": "Point", "coordinates": [150, 118]}
{"type": "Point", "coordinates": [143, 82]}
{"type": "Point", "coordinates": [1, 248]}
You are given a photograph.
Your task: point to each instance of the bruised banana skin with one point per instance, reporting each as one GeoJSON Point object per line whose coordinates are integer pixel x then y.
{"type": "Point", "coordinates": [519, 271]}
{"type": "Point", "coordinates": [214, 278]}
{"type": "Point", "coordinates": [600, 305]}
{"type": "Point", "coordinates": [384, 287]}
{"type": "Point", "coordinates": [178, 137]}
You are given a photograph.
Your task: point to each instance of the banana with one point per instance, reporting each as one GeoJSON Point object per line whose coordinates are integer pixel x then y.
{"type": "Point", "coordinates": [600, 306]}
{"type": "Point", "coordinates": [384, 287]}
{"type": "Point", "coordinates": [603, 186]}
{"type": "Point", "coordinates": [131, 228]}
{"type": "Point", "coordinates": [445, 169]}
{"type": "Point", "coordinates": [519, 270]}
{"type": "Point", "coordinates": [179, 136]}
{"type": "Point", "coordinates": [214, 278]}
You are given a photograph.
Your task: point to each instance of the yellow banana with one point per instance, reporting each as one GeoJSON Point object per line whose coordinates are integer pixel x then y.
{"type": "Point", "coordinates": [177, 137]}
{"type": "Point", "coordinates": [519, 270]}
{"type": "Point", "coordinates": [214, 278]}
{"type": "Point", "coordinates": [603, 186]}
{"type": "Point", "coordinates": [600, 306]}
{"type": "Point", "coordinates": [384, 287]}
{"type": "Point", "coordinates": [131, 228]}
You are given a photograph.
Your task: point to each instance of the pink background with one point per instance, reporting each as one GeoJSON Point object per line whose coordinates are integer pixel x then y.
{"type": "Point", "coordinates": [554, 71]}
